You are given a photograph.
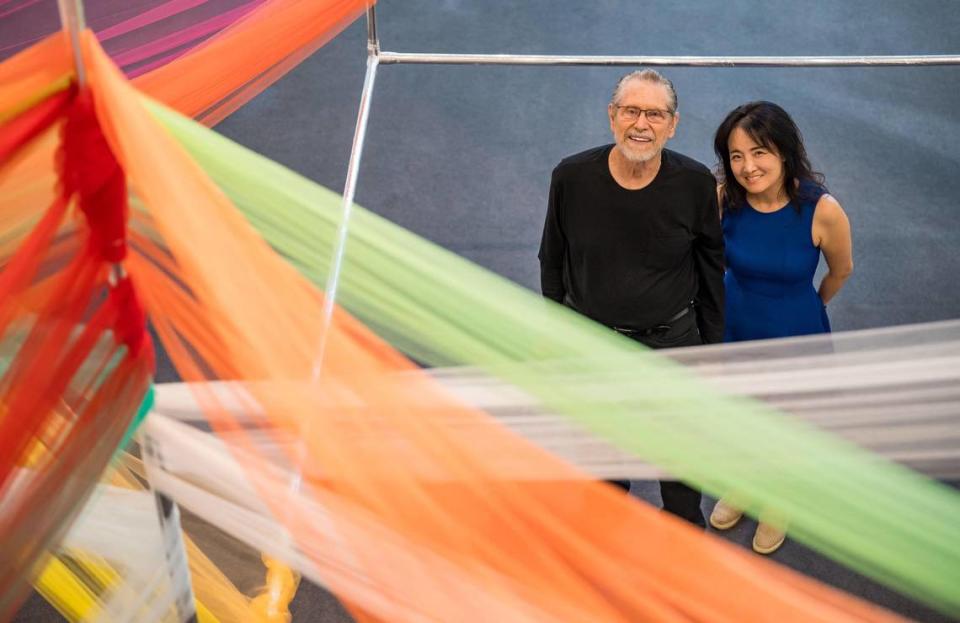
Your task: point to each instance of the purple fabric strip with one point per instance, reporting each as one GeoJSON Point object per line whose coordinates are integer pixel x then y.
{"type": "Point", "coordinates": [11, 10]}
{"type": "Point", "coordinates": [139, 34]}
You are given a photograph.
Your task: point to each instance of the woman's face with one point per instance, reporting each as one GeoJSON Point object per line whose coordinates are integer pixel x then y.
{"type": "Point", "coordinates": [758, 169]}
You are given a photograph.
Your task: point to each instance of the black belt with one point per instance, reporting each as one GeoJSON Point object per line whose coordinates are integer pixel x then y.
{"type": "Point", "coordinates": [660, 328]}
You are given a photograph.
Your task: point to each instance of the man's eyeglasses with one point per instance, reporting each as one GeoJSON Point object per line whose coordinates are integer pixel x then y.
{"type": "Point", "coordinates": [653, 115]}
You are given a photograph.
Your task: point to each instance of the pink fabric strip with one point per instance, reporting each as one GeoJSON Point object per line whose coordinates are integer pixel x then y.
{"type": "Point", "coordinates": [146, 18]}
{"type": "Point", "coordinates": [182, 37]}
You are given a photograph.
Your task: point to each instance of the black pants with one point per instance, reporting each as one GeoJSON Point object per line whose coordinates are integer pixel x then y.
{"type": "Point", "coordinates": [678, 498]}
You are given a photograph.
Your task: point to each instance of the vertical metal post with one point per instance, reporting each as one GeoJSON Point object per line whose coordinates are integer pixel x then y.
{"type": "Point", "coordinates": [373, 43]}
{"type": "Point", "coordinates": [336, 260]}
{"type": "Point", "coordinates": [350, 187]}
{"type": "Point", "coordinates": [74, 22]}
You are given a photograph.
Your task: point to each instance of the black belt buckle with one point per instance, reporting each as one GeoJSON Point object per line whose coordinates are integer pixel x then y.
{"type": "Point", "coordinates": [663, 327]}
{"type": "Point", "coordinates": [627, 331]}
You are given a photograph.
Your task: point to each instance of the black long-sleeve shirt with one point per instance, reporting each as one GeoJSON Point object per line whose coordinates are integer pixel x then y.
{"type": "Point", "coordinates": [634, 258]}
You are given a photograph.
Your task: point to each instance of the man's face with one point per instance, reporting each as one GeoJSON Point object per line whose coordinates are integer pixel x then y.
{"type": "Point", "coordinates": [638, 137]}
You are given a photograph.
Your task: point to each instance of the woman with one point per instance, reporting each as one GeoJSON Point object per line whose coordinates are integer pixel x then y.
{"type": "Point", "coordinates": [777, 219]}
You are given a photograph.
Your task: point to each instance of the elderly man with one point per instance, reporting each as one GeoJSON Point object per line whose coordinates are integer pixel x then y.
{"type": "Point", "coordinates": [632, 237]}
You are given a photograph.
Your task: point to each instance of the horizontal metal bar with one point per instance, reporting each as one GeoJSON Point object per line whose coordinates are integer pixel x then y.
{"type": "Point", "coordinates": [395, 58]}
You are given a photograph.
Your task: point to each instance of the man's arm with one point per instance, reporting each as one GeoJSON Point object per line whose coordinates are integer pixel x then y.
{"type": "Point", "coordinates": [553, 246]}
{"type": "Point", "coordinates": [708, 255]}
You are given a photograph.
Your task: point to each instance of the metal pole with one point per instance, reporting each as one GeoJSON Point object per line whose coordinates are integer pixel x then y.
{"type": "Point", "coordinates": [74, 22]}
{"type": "Point", "coordinates": [395, 58]}
{"type": "Point", "coordinates": [350, 187]}
{"type": "Point", "coordinates": [336, 260]}
{"type": "Point", "coordinates": [373, 43]}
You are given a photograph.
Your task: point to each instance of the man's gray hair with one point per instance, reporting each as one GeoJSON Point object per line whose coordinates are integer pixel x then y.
{"type": "Point", "coordinates": [648, 75]}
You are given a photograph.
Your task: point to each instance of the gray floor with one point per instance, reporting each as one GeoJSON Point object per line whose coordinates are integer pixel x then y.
{"type": "Point", "coordinates": [462, 155]}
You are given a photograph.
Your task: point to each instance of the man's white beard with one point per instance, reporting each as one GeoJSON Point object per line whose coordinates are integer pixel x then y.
{"type": "Point", "coordinates": [634, 157]}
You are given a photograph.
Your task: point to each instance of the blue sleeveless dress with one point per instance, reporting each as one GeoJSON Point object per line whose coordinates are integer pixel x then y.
{"type": "Point", "coordinates": [771, 261]}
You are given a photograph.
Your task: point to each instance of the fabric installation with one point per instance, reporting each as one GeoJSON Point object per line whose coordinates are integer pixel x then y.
{"type": "Point", "coordinates": [412, 475]}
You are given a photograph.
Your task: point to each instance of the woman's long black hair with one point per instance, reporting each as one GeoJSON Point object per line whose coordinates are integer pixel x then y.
{"type": "Point", "coordinates": [768, 125]}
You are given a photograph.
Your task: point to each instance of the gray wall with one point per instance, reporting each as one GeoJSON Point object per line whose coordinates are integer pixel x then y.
{"type": "Point", "coordinates": [462, 155]}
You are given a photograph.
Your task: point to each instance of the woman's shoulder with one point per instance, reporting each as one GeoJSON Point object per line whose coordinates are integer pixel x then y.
{"type": "Point", "coordinates": [827, 209]}
{"type": "Point", "coordinates": [830, 222]}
